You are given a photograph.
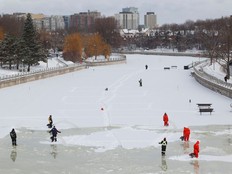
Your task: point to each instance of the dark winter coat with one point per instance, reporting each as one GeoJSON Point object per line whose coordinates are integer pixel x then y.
{"type": "Point", "coordinates": [54, 131]}
{"type": "Point", "coordinates": [163, 146]}
{"type": "Point", "coordinates": [13, 134]}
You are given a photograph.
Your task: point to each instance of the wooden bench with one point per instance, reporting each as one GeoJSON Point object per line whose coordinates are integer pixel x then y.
{"type": "Point", "coordinates": [205, 107]}
{"type": "Point", "coordinates": [175, 67]}
{"type": "Point", "coordinates": [205, 110]}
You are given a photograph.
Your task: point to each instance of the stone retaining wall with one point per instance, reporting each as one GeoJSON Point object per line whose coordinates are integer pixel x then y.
{"type": "Point", "coordinates": [32, 76]}
{"type": "Point", "coordinates": [37, 76]}
{"type": "Point", "coordinates": [220, 87]}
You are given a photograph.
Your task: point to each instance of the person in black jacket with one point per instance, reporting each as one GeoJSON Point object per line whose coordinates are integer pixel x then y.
{"type": "Point", "coordinates": [140, 82]}
{"type": "Point", "coordinates": [13, 136]}
{"type": "Point", "coordinates": [163, 146]}
{"type": "Point", "coordinates": [54, 132]}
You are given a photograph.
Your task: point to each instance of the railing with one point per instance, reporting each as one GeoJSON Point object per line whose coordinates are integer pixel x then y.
{"type": "Point", "coordinates": [34, 72]}
{"type": "Point", "coordinates": [209, 77]}
{"type": "Point", "coordinates": [23, 77]}
{"type": "Point", "coordinates": [210, 81]}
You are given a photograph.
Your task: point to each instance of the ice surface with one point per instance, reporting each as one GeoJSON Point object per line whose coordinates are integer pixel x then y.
{"type": "Point", "coordinates": [115, 131]}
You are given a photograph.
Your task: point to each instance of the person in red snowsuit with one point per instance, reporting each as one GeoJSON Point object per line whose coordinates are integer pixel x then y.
{"type": "Point", "coordinates": [186, 133]}
{"type": "Point", "coordinates": [196, 149]}
{"type": "Point", "coordinates": [165, 119]}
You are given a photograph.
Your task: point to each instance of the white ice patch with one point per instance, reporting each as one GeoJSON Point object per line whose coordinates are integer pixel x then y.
{"type": "Point", "coordinates": [128, 138]}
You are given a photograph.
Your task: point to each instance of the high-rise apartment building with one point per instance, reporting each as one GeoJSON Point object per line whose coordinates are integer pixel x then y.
{"type": "Point", "coordinates": [128, 18]}
{"type": "Point", "coordinates": [150, 20]}
{"type": "Point", "coordinates": [84, 21]}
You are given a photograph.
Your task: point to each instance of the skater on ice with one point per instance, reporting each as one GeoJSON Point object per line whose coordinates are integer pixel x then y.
{"type": "Point", "coordinates": [163, 146]}
{"type": "Point", "coordinates": [165, 119]}
{"type": "Point", "coordinates": [146, 66]}
{"type": "Point", "coordinates": [50, 121]}
{"type": "Point", "coordinates": [140, 83]}
{"type": "Point", "coordinates": [186, 134]}
{"type": "Point", "coordinates": [13, 136]}
{"type": "Point", "coordinates": [54, 132]}
{"type": "Point", "coordinates": [196, 150]}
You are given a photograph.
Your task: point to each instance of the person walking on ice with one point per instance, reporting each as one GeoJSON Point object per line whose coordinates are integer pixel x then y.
{"type": "Point", "coordinates": [140, 83]}
{"type": "Point", "coordinates": [54, 132]}
{"type": "Point", "coordinates": [50, 121]}
{"type": "Point", "coordinates": [165, 119]}
{"type": "Point", "coordinates": [13, 136]}
{"type": "Point", "coordinates": [163, 146]}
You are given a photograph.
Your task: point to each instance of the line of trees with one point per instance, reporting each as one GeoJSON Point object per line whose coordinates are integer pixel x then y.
{"type": "Point", "coordinates": [213, 36]}
{"type": "Point", "coordinates": [78, 46]}
{"type": "Point", "coordinates": [22, 49]}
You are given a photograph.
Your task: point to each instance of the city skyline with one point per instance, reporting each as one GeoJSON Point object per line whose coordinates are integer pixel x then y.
{"type": "Point", "coordinates": [167, 11]}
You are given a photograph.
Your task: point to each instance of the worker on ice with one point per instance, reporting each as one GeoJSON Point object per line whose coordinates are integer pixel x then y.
{"type": "Point", "coordinates": [196, 150]}
{"type": "Point", "coordinates": [186, 133]}
{"type": "Point", "coordinates": [13, 136]}
{"type": "Point", "coordinates": [163, 146]}
{"type": "Point", "coordinates": [165, 119]}
{"type": "Point", "coordinates": [54, 132]}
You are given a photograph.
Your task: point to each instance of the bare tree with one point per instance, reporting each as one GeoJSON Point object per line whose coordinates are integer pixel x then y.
{"type": "Point", "coordinates": [108, 29]}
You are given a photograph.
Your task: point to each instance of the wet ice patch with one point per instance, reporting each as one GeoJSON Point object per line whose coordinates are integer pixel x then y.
{"type": "Point", "coordinates": [213, 150]}
{"type": "Point", "coordinates": [226, 158]}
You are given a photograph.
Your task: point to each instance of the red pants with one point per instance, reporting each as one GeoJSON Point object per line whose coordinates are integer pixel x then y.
{"type": "Point", "coordinates": [166, 123]}
{"type": "Point", "coordinates": [186, 138]}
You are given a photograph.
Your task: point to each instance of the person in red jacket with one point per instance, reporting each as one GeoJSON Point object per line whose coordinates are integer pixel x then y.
{"type": "Point", "coordinates": [186, 133]}
{"type": "Point", "coordinates": [165, 119]}
{"type": "Point", "coordinates": [196, 149]}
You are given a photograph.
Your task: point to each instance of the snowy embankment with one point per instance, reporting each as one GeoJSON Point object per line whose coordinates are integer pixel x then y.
{"type": "Point", "coordinates": [130, 116]}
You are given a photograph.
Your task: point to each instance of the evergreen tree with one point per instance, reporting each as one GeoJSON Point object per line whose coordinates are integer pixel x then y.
{"type": "Point", "coordinates": [8, 50]}
{"type": "Point", "coordinates": [33, 52]}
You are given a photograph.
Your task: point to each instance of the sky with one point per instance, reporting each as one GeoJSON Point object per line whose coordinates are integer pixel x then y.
{"type": "Point", "coordinates": [168, 11]}
{"type": "Point", "coordinates": [120, 123]}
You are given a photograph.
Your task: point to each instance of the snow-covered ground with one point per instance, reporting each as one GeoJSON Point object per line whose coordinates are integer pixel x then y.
{"type": "Point", "coordinates": [116, 130]}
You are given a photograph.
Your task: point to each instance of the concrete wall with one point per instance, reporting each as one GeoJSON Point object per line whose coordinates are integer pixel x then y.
{"type": "Point", "coordinates": [212, 83]}
{"type": "Point", "coordinates": [164, 53]}
{"type": "Point", "coordinates": [32, 76]}
{"type": "Point", "coordinates": [39, 75]}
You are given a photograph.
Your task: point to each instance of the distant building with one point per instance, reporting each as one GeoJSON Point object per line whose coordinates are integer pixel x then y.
{"type": "Point", "coordinates": [66, 22]}
{"type": "Point", "coordinates": [128, 18]}
{"type": "Point", "coordinates": [83, 21]}
{"type": "Point", "coordinates": [150, 20]}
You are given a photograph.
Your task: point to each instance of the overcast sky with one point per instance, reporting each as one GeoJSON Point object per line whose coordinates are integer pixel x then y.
{"type": "Point", "coordinates": [168, 11]}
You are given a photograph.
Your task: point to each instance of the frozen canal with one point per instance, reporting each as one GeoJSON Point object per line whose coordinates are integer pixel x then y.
{"type": "Point", "coordinates": [35, 155]}
{"type": "Point", "coordinates": [116, 130]}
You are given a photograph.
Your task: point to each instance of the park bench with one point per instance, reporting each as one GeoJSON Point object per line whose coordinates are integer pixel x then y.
{"type": "Point", "coordinates": [166, 68]}
{"type": "Point", "coordinates": [205, 107]}
{"type": "Point", "coordinates": [205, 110]}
